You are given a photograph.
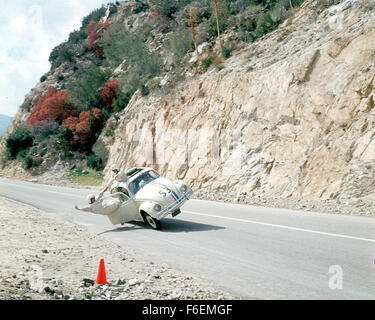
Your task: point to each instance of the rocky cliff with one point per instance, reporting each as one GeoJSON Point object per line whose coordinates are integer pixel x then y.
{"type": "Point", "coordinates": [290, 115]}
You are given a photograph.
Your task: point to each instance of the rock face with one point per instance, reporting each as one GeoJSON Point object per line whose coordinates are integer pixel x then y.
{"type": "Point", "coordinates": [291, 115]}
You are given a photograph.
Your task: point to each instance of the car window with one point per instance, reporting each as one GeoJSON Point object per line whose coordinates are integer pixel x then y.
{"type": "Point", "coordinates": [154, 174]}
{"type": "Point", "coordinates": [142, 180]}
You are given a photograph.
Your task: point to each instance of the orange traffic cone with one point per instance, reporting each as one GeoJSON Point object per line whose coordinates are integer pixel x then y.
{"type": "Point", "coordinates": [101, 278]}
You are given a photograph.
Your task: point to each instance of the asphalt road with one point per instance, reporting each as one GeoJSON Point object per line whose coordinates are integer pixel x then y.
{"type": "Point", "coordinates": [252, 252]}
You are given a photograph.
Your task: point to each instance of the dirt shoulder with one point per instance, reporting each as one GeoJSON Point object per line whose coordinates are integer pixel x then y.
{"type": "Point", "coordinates": [43, 258]}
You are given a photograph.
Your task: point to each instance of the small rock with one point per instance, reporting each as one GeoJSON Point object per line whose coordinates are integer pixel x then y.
{"type": "Point", "coordinates": [120, 282]}
{"type": "Point", "coordinates": [88, 282]}
{"type": "Point", "coordinates": [175, 296]}
{"type": "Point", "coordinates": [49, 290]}
{"type": "Point", "coordinates": [133, 282]}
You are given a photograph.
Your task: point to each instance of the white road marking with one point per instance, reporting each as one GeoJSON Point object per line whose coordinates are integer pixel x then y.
{"type": "Point", "coordinates": [282, 226]}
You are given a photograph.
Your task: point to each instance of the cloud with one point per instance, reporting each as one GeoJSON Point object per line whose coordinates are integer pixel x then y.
{"type": "Point", "coordinates": [29, 30]}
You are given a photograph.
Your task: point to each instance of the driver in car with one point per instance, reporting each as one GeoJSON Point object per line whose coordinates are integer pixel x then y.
{"type": "Point", "coordinates": [145, 180]}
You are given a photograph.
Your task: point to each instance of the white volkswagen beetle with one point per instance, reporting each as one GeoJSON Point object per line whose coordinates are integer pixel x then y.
{"type": "Point", "coordinates": [148, 197]}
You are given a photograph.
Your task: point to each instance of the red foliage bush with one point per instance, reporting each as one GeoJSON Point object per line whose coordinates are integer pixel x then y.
{"type": "Point", "coordinates": [71, 123]}
{"type": "Point", "coordinates": [92, 34]}
{"type": "Point", "coordinates": [81, 127]}
{"type": "Point", "coordinates": [52, 105]}
{"type": "Point", "coordinates": [108, 92]}
{"type": "Point", "coordinates": [94, 31]}
{"type": "Point", "coordinates": [153, 15]}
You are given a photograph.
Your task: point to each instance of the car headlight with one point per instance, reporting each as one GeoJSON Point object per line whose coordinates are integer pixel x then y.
{"type": "Point", "coordinates": [183, 188]}
{"type": "Point", "coordinates": [157, 207]}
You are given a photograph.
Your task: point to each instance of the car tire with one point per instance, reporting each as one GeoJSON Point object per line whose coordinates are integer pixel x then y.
{"type": "Point", "coordinates": [152, 222]}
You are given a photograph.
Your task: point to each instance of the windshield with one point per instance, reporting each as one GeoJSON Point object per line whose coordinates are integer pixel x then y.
{"type": "Point", "coordinates": [142, 180]}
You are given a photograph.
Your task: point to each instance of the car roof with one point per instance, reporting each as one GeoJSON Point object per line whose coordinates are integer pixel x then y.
{"type": "Point", "coordinates": [132, 173]}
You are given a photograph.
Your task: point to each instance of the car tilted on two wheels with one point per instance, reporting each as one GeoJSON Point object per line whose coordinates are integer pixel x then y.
{"type": "Point", "coordinates": [148, 197]}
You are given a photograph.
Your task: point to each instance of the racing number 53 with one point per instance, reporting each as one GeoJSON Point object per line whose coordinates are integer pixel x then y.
{"type": "Point", "coordinates": [165, 192]}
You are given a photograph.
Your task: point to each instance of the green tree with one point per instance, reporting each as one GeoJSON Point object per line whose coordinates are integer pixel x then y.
{"type": "Point", "coordinates": [18, 143]}
{"type": "Point", "coordinates": [76, 36]}
{"type": "Point", "coordinates": [94, 162]}
{"type": "Point", "coordinates": [180, 43]}
{"type": "Point", "coordinates": [121, 101]}
{"type": "Point", "coordinates": [61, 54]}
{"type": "Point", "coordinates": [168, 8]}
{"type": "Point", "coordinates": [95, 16]}
{"type": "Point", "coordinates": [122, 46]}
{"type": "Point", "coordinates": [84, 86]}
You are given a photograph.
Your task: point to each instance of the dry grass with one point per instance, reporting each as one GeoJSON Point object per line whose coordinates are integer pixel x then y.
{"type": "Point", "coordinates": [86, 177]}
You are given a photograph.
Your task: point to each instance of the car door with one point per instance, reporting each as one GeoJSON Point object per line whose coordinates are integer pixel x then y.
{"type": "Point", "coordinates": [126, 212]}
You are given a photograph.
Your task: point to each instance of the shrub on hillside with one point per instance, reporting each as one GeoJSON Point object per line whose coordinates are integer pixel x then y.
{"type": "Point", "coordinates": [63, 53]}
{"type": "Point", "coordinates": [203, 12]}
{"type": "Point", "coordinates": [180, 43]}
{"type": "Point", "coordinates": [84, 85]}
{"type": "Point", "coordinates": [226, 51]}
{"type": "Point", "coordinates": [42, 130]}
{"type": "Point", "coordinates": [60, 78]}
{"type": "Point", "coordinates": [240, 6]}
{"type": "Point", "coordinates": [121, 45]}
{"type": "Point", "coordinates": [94, 31]}
{"type": "Point", "coordinates": [76, 36]}
{"type": "Point", "coordinates": [223, 24]}
{"type": "Point", "coordinates": [95, 16]}
{"type": "Point", "coordinates": [121, 101]}
{"type": "Point", "coordinates": [141, 6]}
{"type": "Point", "coordinates": [206, 63]}
{"type": "Point", "coordinates": [94, 162]}
{"type": "Point", "coordinates": [109, 92]}
{"type": "Point", "coordinates": [53, 105]}
{"type": "Point", "coordinates": [167, 8]}
{"type": "Point", "coordinates": [18, 143]}
{"type": "Point", "coordinates": [27, 105]}
{"type": "Point", "coordinates": [85, 129]}
{"type": "Point", "coordinates": [31, 162]}
{"type": "Point", "coordinates": [60, 54]}
{"type": "Point", "coordinates": [63, 141]}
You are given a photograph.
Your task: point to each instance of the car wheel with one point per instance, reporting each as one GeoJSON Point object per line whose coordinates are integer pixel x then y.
{"type": "Point", "coordinates": [152, 222]}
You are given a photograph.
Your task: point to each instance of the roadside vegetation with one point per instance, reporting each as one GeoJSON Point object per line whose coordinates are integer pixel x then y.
{"type": "Point", "coordinates": [85, 177]}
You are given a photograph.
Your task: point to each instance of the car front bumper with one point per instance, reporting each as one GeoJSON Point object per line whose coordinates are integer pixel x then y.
{"type": "Point", "coordinates": [175, 206]}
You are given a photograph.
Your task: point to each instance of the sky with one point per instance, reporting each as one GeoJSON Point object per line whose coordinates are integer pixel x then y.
{"type": "Point", "coordinates": [29, 30]}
